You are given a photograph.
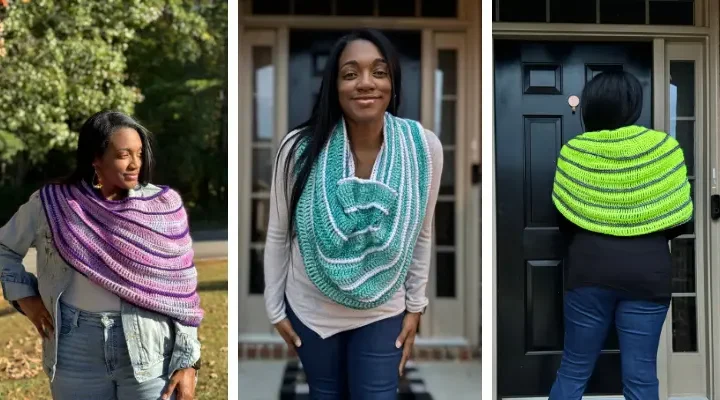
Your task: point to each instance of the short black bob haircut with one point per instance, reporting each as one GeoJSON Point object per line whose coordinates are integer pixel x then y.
{"type": "Point", "coordinates": [94, 139]}
{"type": "Point", "coordinates": [611, 100]}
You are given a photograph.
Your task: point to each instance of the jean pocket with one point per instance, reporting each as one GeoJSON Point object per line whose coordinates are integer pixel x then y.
{"type": "Point", "coordinates": [68, 322]}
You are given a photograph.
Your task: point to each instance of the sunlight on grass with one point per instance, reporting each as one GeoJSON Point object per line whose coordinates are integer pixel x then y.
{"type": "Point", "coordinates": [21, 375]}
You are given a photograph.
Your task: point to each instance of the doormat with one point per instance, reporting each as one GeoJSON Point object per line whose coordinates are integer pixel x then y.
{"type": "Point", "coordinates": [294, 385]}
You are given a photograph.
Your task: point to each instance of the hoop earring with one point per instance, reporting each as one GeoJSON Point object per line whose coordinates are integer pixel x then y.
{"type": "Point", "coordinates": [97, 185]}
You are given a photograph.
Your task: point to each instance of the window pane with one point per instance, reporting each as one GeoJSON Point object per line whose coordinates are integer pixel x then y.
{"type": "Point", "coordinates": [684, 325]}
{"type": "Point", "coordinates": [355, 7]}
{"type": "Point", "coordinates": [522, 11]}
{"type": "Point", "coordinates": [447, 180]}
{"type": "Point", "coordinates": [676, 12]}
{"type": "Point", "coordinates": [683, 260]}
{"type": "Point", "coordinates": [264, 94]}
{"type": "Point", "coordinates": [572, 11]}
{"type": "Point", "coordinates": [396, 8]}
{"type": "Point", "coordinates": [682, 89]}
{"type": "Point", "coordinates": [262, 170]}
{"type": "Point", "coordinates": [684, 132]}
{"type": "Point", "coordinates": [257, 277]}
{"type": "Point", "coordinates": [439, 8]}
{"type": "Point", "coordinates": [622, 11]}
{"type": "Point", "coordinates": [445, 223]}
{"type": "Point", "coordinates": [447, 71]}
{"type": "Point", "coordinates": [445, 122]}
{"type": "Point", "coordinates": [445, 274]}
{"type": "Point", "coordinates": [260, 218]}
{"type": "Point", "coordinates": [267, 7]}
{"type": "Point", "coordinates": [313, 7]}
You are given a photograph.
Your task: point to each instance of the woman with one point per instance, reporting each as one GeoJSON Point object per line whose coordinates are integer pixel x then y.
{"type": "Point", "coordinates": [115, 296]}
{"type": "Point", "coordinates": [622, 192]}
{"type": "Point", "coordinates": [348, 245]}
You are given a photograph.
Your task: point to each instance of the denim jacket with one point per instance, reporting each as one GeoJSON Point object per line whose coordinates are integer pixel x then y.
{"type": "Point", "coordinates": [151, 337]}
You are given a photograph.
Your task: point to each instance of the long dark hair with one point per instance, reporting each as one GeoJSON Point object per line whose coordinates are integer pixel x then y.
{"type": "Point", "coordinates": [611, 100]}
{"type": "Point", "coordinates": [326, 113]}
{"type": "Point", "coordinates": [94, 139]}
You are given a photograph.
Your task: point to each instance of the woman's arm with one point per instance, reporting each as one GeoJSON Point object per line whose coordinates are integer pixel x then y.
{"type": "Point", "coordinates": [277, 247]}
{"type": "Point", "coordinates": [416, 281]}
{"type": "Point", "coordinates": [187, 348]}
{"type": "Point", "coordinates": [16, 237]}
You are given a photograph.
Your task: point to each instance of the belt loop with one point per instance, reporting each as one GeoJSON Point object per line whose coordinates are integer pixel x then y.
{"type": "Point", "coordinates": [76, 318]}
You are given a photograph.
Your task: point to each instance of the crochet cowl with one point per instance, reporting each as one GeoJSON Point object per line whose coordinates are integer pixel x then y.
{"type": "Point", "coordinates": [137, 248]}
{"type": "Point", "coordinates": [626, 182]}
{"type": "Point", "coordinates": [356, 236]}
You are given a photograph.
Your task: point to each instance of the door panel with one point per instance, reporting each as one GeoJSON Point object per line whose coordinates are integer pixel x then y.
{"type": "Point", "coordinates": [533, 120]}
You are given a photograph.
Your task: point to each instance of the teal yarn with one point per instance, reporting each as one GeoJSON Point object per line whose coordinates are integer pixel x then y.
{"type": "Point", "coordinates": [357, 236]}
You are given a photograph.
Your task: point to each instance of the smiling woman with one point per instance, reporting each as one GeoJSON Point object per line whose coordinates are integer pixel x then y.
{"type": "Point", "coordinates": [349, 238]}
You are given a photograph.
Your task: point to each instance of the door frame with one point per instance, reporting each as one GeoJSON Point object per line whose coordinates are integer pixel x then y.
{"type": "Point", "coordinates": [468, 25]}
{"type": "Point", "coordinates": [708, 36]}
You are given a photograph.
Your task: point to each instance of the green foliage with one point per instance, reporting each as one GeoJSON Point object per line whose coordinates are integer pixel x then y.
{"type": "Point", "coordinates": [164, 61]}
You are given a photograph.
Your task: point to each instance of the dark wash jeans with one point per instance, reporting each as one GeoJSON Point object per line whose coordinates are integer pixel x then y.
{"type": "Point", "coordinates": [589, 313]}
{"type": "Point", "coordinates": [359, 364]}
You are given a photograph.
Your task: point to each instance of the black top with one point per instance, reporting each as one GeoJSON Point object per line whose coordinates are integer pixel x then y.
{"type": "Point", "coordinates": [639, 266]}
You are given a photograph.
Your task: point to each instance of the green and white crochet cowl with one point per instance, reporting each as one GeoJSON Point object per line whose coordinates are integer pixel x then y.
{"type": "Point", "coordinates": [625, 182]}
{"type": "Point", "coordinates": [357, 236]}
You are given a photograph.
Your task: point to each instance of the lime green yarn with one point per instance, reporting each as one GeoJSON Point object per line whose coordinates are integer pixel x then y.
{"type": "Point", "coordinates": [356, 236]}
{"type": "Point", "coordinates": [625, 182]}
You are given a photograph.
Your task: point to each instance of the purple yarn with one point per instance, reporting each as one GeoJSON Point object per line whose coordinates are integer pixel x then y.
{"type": "Point", "coordinates": [138, 248]}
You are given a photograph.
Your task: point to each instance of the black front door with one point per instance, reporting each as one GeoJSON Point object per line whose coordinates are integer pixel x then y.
{"type": "Point", "coordinates": [533, 119]}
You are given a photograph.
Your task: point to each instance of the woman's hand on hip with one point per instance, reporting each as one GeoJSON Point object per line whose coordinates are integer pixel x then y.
{"type": "Point", "coordinates": [183, 382]}
{"type": "Point", "coordinates": [406, 340]}
{"type": "Point", "coordinates": [35, 310]}
{"type": "Point", "coordinates": [287, 332]}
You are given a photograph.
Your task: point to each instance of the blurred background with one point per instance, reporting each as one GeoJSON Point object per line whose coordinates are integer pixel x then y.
{"type": "Point", "coordinates": [165, 63]}
{"type": "Point", "coordinates": [284, 45]}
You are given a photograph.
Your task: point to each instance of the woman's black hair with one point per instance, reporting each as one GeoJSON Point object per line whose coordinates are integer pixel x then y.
{"type": "Point", "coordinates": [611, 100]}
{"type": "Point", "coordinates": [326, 113]}
{"type": "Point", "coordinates": [94, 139]}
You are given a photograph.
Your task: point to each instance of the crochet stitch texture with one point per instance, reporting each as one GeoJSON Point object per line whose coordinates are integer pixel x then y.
{"type": "Point", "coordinates": [625, 182]}
{"type": "Point", "coordinates": [357, 236]}
{"type": "Point", "coordinates": [137, 248]}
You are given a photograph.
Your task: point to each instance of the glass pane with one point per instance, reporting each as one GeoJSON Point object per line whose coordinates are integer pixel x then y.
{"type": "Point", "coordinates": [262, 170]}
{"type": "Point", "coordinates": [446, 74]}
{"type": "Point", "coordinates": [622, 11]}
{"type": "Point", "coordinates": [257, 277]}
{"type": "Point", "coordinates": [260, 218]}
{"type": "Point", "coordinates": [572, 11]}
{"type": "Point", "coordinates": [355, 7]}
{"type": "Point", "coordinates": [522, 11]}
{"type": "Point", "coordinates": [682, 89]}
{"type": "Point", "coordinates": [684, 325]}
{"type": "Point", "coordinates": [684, 132]}
{"type": "Point", "coordinates": [445, 122]}
{"type": "Point", "coordinates": [396, 8]}
{"type": "Point", "coordinates": [266, 7]}
{"type": "Point", "coordinates": [682, 252]}
{"type": "Point", "coordinates": [445, 223]}
{"type": "Point", "coordinates": [676, 12]}
{"type": "Point", "coordinates": [440, 8]}
{"type": "Point", "coordinates": [264, 91]}
{"type": "Point", "coordinates": [447, 180]}
{"type": "Point", "coordinates": [313, 7]}
{"type": "Point", "coordinates": [445, 274]}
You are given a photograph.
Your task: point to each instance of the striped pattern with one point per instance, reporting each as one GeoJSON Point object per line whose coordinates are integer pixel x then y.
{"type": "Point", "coordinates": [626, 182]}
{"type": "Point", "coordinates": [294, 384]}
{"type": "Point", "coordinates": [356, 236]}
{"type": "Point", "coordinates": [137, 248]}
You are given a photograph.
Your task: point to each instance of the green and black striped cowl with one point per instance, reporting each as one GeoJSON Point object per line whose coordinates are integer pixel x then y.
{"type": "Point", "coordinates": [626, 182]}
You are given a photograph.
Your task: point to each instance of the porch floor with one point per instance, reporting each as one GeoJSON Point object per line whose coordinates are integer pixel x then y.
{"type": "Point", "coordinates": [428, 380]}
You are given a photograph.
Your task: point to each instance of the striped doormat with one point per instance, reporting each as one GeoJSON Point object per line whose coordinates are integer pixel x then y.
{"type": "Point", "coordinates": [294, 385]}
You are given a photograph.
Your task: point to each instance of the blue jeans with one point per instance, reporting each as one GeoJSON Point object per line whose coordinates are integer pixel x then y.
{"type": "Point", "coordinates": [93, 361]}
{"type": "Point", "coordinates": [359, 364]}
{"type": "Point", "coordinates": [589, 313]}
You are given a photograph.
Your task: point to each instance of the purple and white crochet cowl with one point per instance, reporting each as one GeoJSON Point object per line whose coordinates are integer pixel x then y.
{"type": "Point", "coordinates": [137, 248]}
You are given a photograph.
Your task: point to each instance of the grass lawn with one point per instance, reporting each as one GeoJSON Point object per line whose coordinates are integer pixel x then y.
{"type": "Point", "coordinates": [21, 375]}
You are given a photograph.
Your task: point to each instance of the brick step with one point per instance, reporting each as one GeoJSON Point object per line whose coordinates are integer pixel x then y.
{"type": "Point", "coordinates": [425, 352]}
